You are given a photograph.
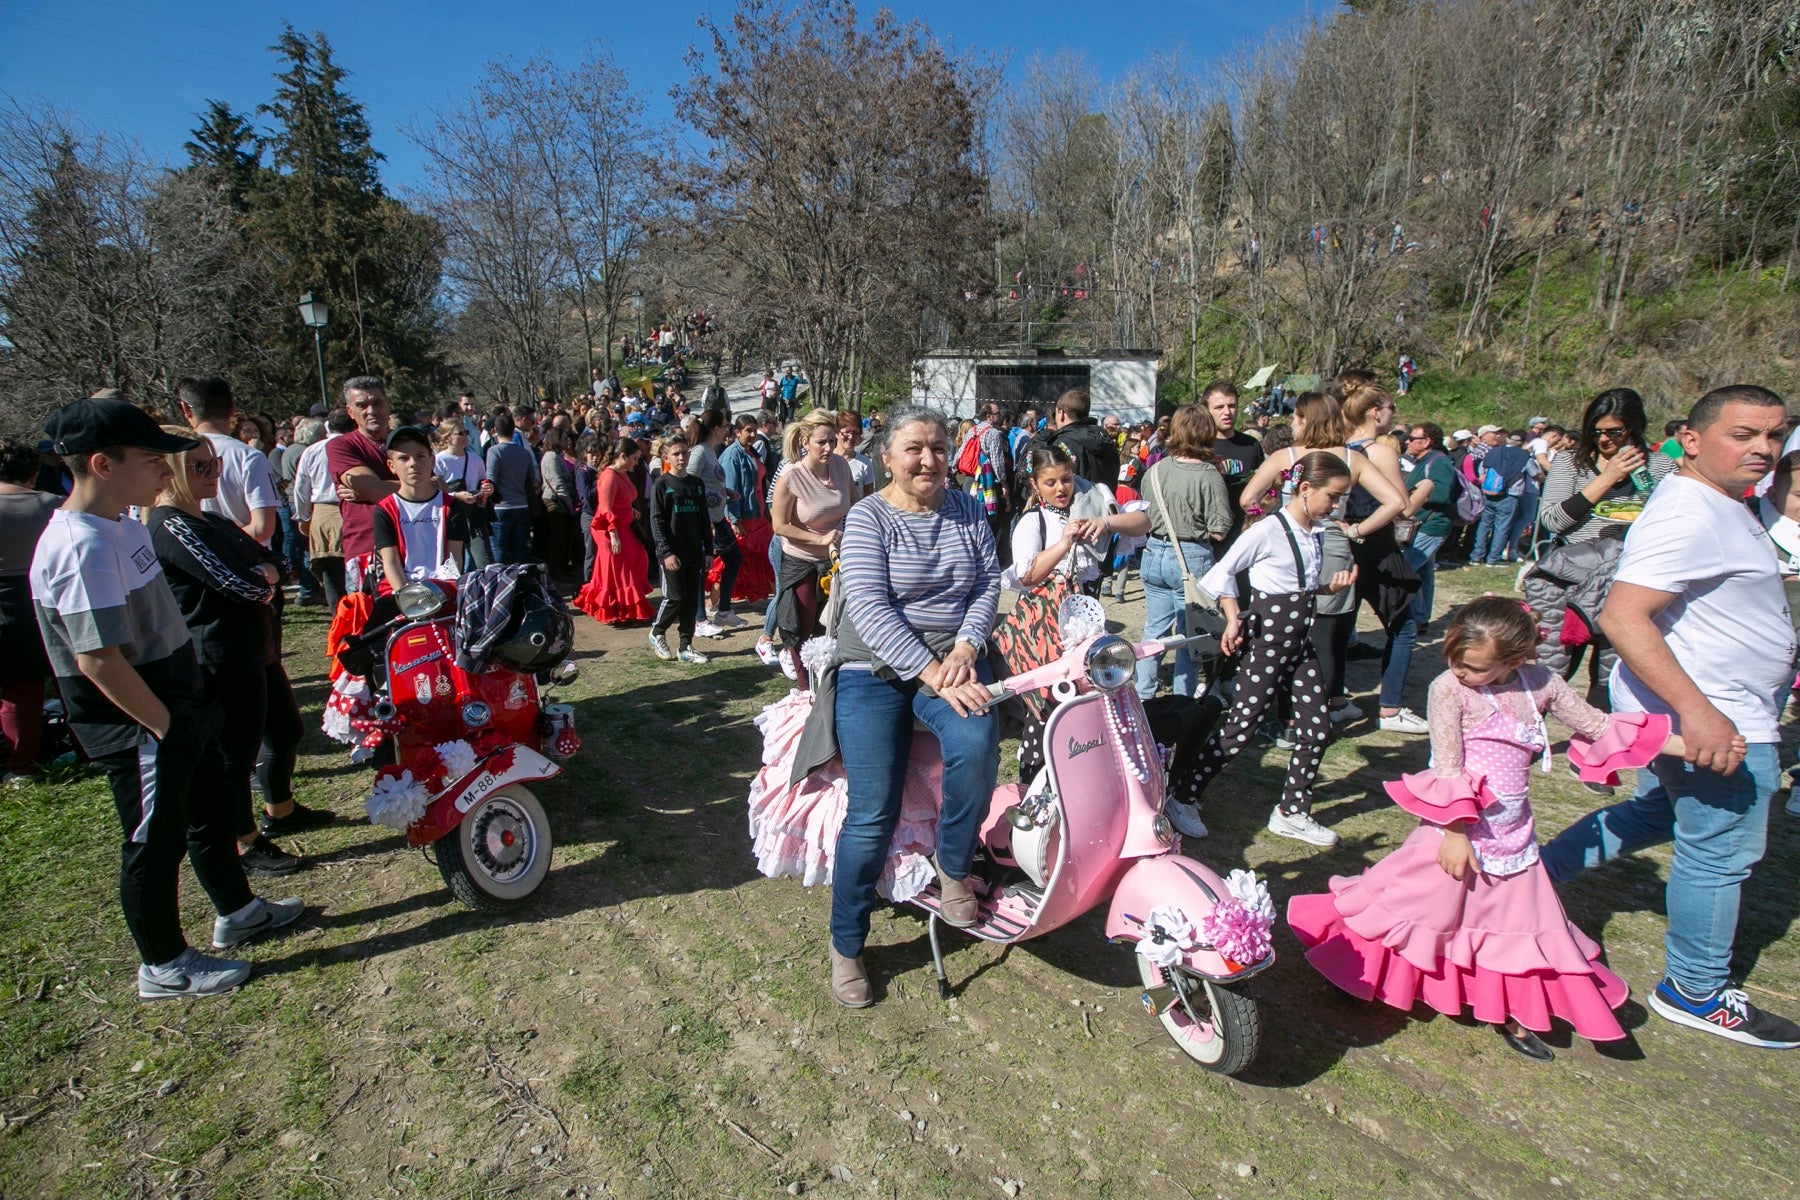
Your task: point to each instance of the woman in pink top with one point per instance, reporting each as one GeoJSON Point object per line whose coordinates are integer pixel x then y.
{"type": "Point", "coordinates": [811, 499]}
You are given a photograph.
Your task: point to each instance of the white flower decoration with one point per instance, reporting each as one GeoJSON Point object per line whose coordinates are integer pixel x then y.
{"type": "Point", "coordinates": [397, 802]}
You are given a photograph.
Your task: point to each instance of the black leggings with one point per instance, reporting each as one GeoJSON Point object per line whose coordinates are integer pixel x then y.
{"type": "Point", "coordinates": [1331, 643]}
{"type": "Point", "coordinates": [1278, 659]}
{"type": "Point", "coordinates": [260, 739]}
{"type": "Point", "coordinates": [681, 595]}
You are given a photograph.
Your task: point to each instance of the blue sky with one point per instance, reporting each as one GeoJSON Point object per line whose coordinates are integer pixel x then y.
{"type": "Point", "coordinates": [146, 68]}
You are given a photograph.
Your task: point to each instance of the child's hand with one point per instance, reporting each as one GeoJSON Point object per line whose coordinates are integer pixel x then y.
{"type": "Point", "coordinates": [1233, 638]}
{"type": "Point", "coordinates": [1455, 855]}
{"type": "Point", "coordinates": [1341, 581]}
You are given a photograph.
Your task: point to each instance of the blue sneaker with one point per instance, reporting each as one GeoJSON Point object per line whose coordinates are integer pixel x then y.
{"type": "Point", "coordinates": [1727, 1013]}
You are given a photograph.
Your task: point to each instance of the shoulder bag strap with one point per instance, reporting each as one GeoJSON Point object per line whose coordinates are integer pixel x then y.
{"type": "Point", "coordinates": [1155, 478]}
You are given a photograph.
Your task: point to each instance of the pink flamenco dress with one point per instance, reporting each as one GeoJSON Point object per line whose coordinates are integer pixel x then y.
{"type": "Point", "coordinates": [794, 826]}
{"type": "Point", "coordinates": [1496, 942]}
{"type": "Point", "coordinates": [615, 594]}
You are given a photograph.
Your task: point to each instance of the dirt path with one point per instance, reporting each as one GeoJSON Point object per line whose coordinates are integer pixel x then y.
{"type": "Point", "coordinates": [655, 1023]}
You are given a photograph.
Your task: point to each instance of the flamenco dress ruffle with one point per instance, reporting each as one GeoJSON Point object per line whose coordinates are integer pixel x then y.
{"type": "Point", "coordinates": [614, 594]}
{"type": "Point", "coordinates": [755, 578]}
{"type": "Point", "coordinates": [1631, 740]}
{"type": "Point", "coordinates": [1404, 931]}
{"type": "Point", "coordinates": [794, 827]}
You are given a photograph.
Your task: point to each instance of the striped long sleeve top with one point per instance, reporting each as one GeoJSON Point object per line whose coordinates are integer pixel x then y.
{"type": "Point", "coordinates": [907, 573]}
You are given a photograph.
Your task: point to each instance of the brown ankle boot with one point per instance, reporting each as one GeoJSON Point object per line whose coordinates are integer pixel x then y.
{"type": "Point", "coordinates": [850, 981]}
{"type": "Point", "coordinates": [957, 903]}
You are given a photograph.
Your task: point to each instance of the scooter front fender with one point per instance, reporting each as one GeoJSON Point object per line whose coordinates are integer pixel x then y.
{"type": "Point", "coordinates": [1174, 880]}
{"type": "Point", "coordinates": [509, 764]}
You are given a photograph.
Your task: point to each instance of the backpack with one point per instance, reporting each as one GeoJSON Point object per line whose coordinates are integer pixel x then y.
{"type": "Point", "coordinates": [968, 459]}
{"type": "Point", "coordinates": [1495, 480]}
{"type": "Point", "coordinates": [1466, 502]}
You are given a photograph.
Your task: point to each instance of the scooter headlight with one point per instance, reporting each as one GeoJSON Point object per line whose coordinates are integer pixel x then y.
{"type": "Point", "coordinates": [1111, 662]}
{"type": "Point", "coordinates": [477, 713]}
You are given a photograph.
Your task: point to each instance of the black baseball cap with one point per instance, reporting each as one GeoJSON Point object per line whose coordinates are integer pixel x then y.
{"type": "Point", "coordinates": [83, 426]}
{"type": "Point", "coordinates": [408, 433]}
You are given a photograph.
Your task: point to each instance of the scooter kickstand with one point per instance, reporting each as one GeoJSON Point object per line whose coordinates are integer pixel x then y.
{"type": "Point", "coordinates": [937, 957]}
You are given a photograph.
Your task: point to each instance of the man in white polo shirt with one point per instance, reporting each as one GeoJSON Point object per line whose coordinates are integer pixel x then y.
{"type": "Point", "coordinates": [247, 492]}
{"type": "Point", "coordinates": [1700, 621]}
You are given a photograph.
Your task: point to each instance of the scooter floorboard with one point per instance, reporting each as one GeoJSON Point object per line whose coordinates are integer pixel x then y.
{"type": "Point", "coordinates": [1007, 918]}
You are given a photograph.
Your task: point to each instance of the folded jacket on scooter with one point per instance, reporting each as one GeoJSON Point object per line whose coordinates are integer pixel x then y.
{"type": "Point", "coordinates": [818, 742]}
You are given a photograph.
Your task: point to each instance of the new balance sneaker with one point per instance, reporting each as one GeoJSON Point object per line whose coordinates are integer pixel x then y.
{"type": "Point", "coordinates": [1346, 712]}
{"type": "Point", "coordinates": [1301, 827]}
{"type": "Point", "coordinates": [1405, 721]}
{"type": "Point", "coordinates": [765, 650]}
{"type": "Point", "coordinates": [1185, 818]}
{"type": "Point", "coordinates": [192, 974]}
{"type": "Point", "coordinates": [727, 620]}
{"type": "Point", "coordinates": [266, 858]}
{"type": "Point", "coordinates": [264, 915]}
{"type": "Point", "coordinates": [707, 629]}
{"type": "Point", "coordinates": [659, 646]}
{"type": "Point", "coordinates": [298, 821]}
{"type": "Point", "coordinates": [688, 654]}
{"type": "Point", "coordinates": [1727, 1013]}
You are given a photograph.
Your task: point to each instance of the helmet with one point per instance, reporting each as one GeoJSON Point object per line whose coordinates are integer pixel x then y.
{"type": "Point", "coordinates": [541, 638]}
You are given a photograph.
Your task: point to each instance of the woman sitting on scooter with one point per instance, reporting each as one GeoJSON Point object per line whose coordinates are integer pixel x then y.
{"type": "Point", "coordinates": [921, 587]}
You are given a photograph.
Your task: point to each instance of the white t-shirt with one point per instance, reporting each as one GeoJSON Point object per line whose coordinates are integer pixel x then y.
{"type": "Point", "coordinates": [1037, 528]}
{"type": "Point", "coordinates": [419, 533]}
{"type": "Point", "coordinates": [1729, 626]}
{"type": "Point", "coordinates": [245, 481]}
{"type": "Point", "coordinates": [464, 472]}
{"type": "Point", "coordinates": [1265, 551]}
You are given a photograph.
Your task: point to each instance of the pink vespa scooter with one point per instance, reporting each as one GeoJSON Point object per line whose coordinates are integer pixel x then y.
{"type": "Point", "coordinates": [1089, 829]}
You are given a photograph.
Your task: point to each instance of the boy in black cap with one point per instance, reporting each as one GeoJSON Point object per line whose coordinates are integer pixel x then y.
{"type": "Point", "coordinates": [136, 698]}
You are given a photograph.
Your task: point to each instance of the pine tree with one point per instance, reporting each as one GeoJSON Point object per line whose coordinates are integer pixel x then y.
{"type": "Point", "coordinates": [225, 143]}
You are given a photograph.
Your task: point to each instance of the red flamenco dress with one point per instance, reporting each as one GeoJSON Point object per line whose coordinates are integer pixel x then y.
{"type": "Point", "coordinates": [1496, 942]}
{"type": "Point", "coordinates": [615, 595]}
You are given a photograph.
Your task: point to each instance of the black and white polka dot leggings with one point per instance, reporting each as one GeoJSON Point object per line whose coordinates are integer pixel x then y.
{"type": "Point", "coordinates": [1278, 657]}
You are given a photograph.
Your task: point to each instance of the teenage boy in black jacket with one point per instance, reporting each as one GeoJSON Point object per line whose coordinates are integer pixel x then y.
{"type": "Point", "coordinates": [682, 529]}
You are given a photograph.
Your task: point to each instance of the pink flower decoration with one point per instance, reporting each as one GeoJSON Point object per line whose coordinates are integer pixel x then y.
{"type": "Point", "coordinates": [1237, 932]}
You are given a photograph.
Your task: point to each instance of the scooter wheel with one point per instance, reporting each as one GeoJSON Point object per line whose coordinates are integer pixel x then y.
{"type": "Point", "coordinates": [500, 852]}
{"type": "Point", "coordinates": [1218, 1027]}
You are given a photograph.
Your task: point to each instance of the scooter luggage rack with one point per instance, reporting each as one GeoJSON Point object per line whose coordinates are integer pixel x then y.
{"type": "Point", "coordinates": [1004, 920]}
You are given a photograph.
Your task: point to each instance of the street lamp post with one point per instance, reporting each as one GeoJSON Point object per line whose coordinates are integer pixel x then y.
{"type": "Point", "coordinates": [317, 314]}
{"type": "Point", "coordinates": [637, 306]}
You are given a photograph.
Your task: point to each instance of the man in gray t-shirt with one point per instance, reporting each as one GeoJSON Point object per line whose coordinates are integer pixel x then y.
{"type": "Point", "coordinates": [513, 471]}
{"type": "Point", "coordinates": [704, 465]}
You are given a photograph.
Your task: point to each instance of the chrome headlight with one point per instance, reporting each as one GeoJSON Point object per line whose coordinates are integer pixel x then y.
{"type": "Point", "coordinates": [1111, 663]}
{"type": "Point", "coordinates": [476, 714]}
{"type": "Point", "coordinates": [420, 600]}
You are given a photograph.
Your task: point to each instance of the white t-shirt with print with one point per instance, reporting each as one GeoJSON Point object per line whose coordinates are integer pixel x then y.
{"type": "Point", "coordinates": [1728, 625]}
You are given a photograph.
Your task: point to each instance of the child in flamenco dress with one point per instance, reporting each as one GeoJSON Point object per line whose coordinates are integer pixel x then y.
{"type": "Point", "coordinates": [1463, 915]}
{"type": "Point", "coordinates": [615, 593]}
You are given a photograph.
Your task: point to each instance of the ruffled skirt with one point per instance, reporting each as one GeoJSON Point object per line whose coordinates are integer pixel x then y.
{"type": "Point", "coordinates": [615, 593]}
{"type": "Point", "coordinates": [794, 827]}
{"type": "Point", "coordinates": [755, 577]}
{"type": "Point", "coordinates": [1403, 931]}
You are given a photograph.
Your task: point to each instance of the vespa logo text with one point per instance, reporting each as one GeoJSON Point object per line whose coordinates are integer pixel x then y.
{"type": "Point", "coordinates": [1077, 749]}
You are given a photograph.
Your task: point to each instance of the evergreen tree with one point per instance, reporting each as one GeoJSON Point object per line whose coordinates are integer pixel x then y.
{"type": "Point", "coordinates": [225, 143]}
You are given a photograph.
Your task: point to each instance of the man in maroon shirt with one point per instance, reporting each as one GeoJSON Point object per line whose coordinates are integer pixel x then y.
{"type": "Point", "coordinates": [358, 463]}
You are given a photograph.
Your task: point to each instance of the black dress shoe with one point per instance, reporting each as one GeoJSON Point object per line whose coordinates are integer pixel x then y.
{"type": "Point", "coordinates": [1527, 1043]}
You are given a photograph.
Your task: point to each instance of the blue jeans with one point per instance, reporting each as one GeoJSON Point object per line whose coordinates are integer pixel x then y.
{"type": "Point", "coordinates": [512, 534]}
{"type": "Point", "coordinates": [1165, 609]}
{"type": "Point", "coordinates": [875, 732]}
{"type": "Point", "coordinates": [293, 548]}
{"type": "Point", "coordinates": [1720, 827]}
{"type": "Point", "coordinates": [774, 565]}
{"type": "Point", "coordinates": [1396, 660]}
{"type": "Point", "coordinates": [1490, 533]}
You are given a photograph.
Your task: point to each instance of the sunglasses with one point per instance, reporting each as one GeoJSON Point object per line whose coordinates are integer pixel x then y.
{"type": "Point", "coordinates": [1613, 432]}
{"type": "Point", "coordinates": [206, 468]}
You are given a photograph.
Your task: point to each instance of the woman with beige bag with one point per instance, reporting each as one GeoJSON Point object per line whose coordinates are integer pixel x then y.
{"type": "Point", "coordinates": [1189, 512]}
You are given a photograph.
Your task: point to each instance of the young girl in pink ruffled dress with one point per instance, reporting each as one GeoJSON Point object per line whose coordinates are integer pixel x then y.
{"type": "Point", "coordinates": [1463, 915]}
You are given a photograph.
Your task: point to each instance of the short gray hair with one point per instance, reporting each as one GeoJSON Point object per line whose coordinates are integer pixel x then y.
{"type": "Point", "coordinates": [308, 431]}
{"type": "Point", "coordinates": [913, 414]}
{"type": "Point", "coordinates": [364, 383]}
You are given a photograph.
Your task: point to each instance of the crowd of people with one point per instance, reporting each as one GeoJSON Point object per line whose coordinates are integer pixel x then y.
{"type": "Point", "coordinates": [143, 565]}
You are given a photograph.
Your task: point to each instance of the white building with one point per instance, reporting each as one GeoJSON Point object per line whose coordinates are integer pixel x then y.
{"type": "Point", "coordinates": [1120, 382]}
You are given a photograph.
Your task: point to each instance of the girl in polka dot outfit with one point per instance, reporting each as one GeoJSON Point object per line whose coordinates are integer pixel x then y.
{"type": "Point", "coordinates": [1463, 915]}
{"type": "Point", "coordinates": [1282, 555]}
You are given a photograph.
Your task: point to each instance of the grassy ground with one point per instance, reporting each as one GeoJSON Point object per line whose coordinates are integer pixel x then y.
{"type": "Point", "coordinates": [655, 1023]}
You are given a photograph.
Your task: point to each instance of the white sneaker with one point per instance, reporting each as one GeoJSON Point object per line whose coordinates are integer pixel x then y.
{"type": "Point", "coordinates": [790, 664]}
{"type": "Point", "coordinates": [192, 974]}
{"type": "Point", "coordinates": [1405, 721]}
{"type": "Point", "coordinates": [1301, 827]}
{"type": "Point", "coordinates": [688, 654]}
{"type": "Point", "coordinates": [268, 915]}
{"type": "Point", "coordinates": [727, 620]}
{"type": "Point", "coordinates": [707, 629]}
{"type": "Point", "coordinates": [1349, 712]}
{"type": "Point", "coordinates": [765, 650]}
{"type": "Point", "coordinates": [1185, 818]}
{"type": "Point", "coordinates": [659, 646]}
